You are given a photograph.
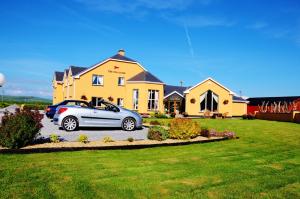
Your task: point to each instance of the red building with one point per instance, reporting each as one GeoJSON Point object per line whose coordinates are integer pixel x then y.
{"type": "Point", "coordinates": [255, 102]}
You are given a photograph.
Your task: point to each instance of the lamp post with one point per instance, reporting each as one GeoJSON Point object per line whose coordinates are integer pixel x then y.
{"type": "Point", "coordinates": [2, 82]}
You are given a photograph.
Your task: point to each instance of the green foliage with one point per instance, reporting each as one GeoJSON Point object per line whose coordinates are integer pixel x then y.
{"type": "Point", "coordinates": [182, 128]}
{"type": "Point", "coordinates": [158, 133]}
{"type": "Point", "coordinates": [130, 139]}
{"type": "Point", "coordinates": [54, 138]}
{"type": "Point", "coordinates": [155, 122]}
{"type": "Point", "coordinates": [34, 106]}
{"type": "Point", "coordinates": [20, 129]}
{"type": "Point", "coordinates": [4, 104]}
{"type": "Point", "coordinates": [248, 117]}
{"type": "Point", "coordinates": [83, 138]}
{"type": "Point", "coordinates": [107, 139]}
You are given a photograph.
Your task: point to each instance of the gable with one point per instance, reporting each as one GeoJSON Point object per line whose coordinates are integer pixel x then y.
{"type": "Point", "coordinates": [208, 83]}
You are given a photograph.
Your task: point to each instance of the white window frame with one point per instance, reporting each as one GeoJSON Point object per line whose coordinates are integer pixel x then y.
{"type": "Point", "coordinates": [135, 99]}
{"type": "Point", "coordinates": [100, 80]}
{"type": "Point", "coordinates": [120, 102]}
{"type": "Point", "coordinates": [122, 82]}
{"type": "Point", "coordinates": [153, 103]}
{"type": "Point", "coordinates": [204, 97]}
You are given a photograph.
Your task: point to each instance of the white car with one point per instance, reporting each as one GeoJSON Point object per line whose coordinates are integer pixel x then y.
{"type": "Point", "coordinates": [70, 118]}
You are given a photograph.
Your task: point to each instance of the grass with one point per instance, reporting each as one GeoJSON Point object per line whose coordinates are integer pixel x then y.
{"type": "Point", "coordinates": [263, 163]}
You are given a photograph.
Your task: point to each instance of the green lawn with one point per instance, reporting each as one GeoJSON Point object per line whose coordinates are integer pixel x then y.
{"type": "Point", "coordinates": [263, 163]}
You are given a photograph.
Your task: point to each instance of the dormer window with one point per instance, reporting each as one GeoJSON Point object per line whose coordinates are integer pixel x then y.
{"type": "Point", "coordinates": [97, 80]}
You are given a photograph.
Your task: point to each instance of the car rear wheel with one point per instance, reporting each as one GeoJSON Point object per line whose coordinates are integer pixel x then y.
{"type": "Point", "coordinates": [128, 124]}
{"type": "Point", "coordinates": [70, 123]}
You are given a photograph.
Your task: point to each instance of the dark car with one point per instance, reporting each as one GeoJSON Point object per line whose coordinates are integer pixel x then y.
{"type": "Point", "coordinates": [50, 111]}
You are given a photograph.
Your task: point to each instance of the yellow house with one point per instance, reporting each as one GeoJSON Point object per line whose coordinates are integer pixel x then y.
{"type": "Point", "coordinates": [127, 83]}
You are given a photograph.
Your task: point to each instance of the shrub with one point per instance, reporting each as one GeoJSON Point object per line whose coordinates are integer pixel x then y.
{"type": "Point", "coordinates": [173, 114]}
{"type": "Point", "coordinates": [185, 114]}
{"type": "Point", "coordinates": [20, 129]}
{"type": "Point", "coordinates": [158, 133]}
{"type": "Point", "coordinates": [155, 122]}
{"type": "Point", "coordinates": [130, 139]}
{"type": "Point", "coordinates": [160, 115]}
{"type": "Point", "coordinates": [54, 138]}
{"type": "Point", "coordinates": [248, 117]}
{"type": "Point", "coordinates": [183, 128]}
{"type": "Point", "coordinates": [107, 139]}
{"type": "Point", "coordinates": [205, 132]}
{"type": "Point", "coordinates": [83, 138]}
{"type": "Point", "coordinates": [34, 106]}
{"type": "Point", "coordinates": [3, 104]}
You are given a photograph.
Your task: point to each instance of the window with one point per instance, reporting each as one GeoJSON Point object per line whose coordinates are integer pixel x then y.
{"type": "Point", "coordinates": [121, 81]}
{"type": "Point", "coordinates": [209, 101]}
{"type": "Point", "coordinates": [96, 101]}
{"type": "Point", "coordinates": [135, 99]}
{"type": "Point", "coordinates": [120, 102]}
{"type": "Point", "coordinates": [153, 99]}
{"type": "Point", "coordinates": [97, 80]}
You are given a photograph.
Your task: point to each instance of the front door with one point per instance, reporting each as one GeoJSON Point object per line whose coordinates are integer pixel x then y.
{"type": "Point", "coordinates": [174, 106]}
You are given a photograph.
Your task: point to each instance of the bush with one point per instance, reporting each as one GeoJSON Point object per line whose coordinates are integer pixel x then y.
{"type": "Point", "coordinates": [83, 138]}
{"type": "Point", "coordinates": [130, 139]}
{"type": "Point", "coordinates": [158, 133]}
{"type": "Point", "coordinates": [160, 115]}
{"type": "Point", "coordinates": [248, 117]}
{"type": "Point", "coordinates": [205, 132]}
{"type": "Point", "coordinates": [173, 114]}
{"type": "Point", "coordinates": [185, 114]}
{"type": "Point", "coordinates": [34, 106]}
{"type": "Point", "coordinates": [183, 128]}
{"type": "Point", "coordinates": [155, 122]}
{"type": "Point", "coordinates": [54, 138]}
{"type": "Point", "coordinates": [107, 139]}
{"type": "Point", "coordinates": [4, 104]}
{"type": "Point", "coordinates": [20, 129]}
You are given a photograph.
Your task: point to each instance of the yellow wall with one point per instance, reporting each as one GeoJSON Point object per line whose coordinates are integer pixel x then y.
{"type": "Point", "coordinates": [239, 109]}
{"type": "Point", "coordinates": [83, 85]}
{"type": "Point", "coordinates": [143, 96]}
{"type": "Point", "coordinates": [194, 109]}
{"type": "Point", "coordinates": [57, 92]}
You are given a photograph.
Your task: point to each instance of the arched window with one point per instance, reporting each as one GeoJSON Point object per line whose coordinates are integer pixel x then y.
{"type": "Point", "coordinates": [209, 101]}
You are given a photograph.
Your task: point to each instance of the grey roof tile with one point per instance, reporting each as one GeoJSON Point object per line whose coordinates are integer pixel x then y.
{"type": "Point", "coordinates": [145, 76]}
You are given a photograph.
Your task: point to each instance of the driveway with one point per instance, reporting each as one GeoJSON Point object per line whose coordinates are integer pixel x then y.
{"type": "Point", "coordinates": [93, 134]}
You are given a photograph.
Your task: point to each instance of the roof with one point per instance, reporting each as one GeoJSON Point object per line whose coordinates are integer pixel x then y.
{"type": "Point", "coordinates": [77, 69]}
{"type": "Point", "coordinates": [117, 57]}
{"type": "Point", "coordinates": [121, 57]}
{"type": "Point", "coordinates": [255, 101]}
{"type": "Point", "coordinates": [211, 79]}
{"type": "Point", "coordinates": [59, 76]}
{"type": "Point", "coordinates": [144, 76]}
{"type": "Point", "coordinates": [169, 90]}
{"type": "Point", "coordinates": [239, 99]}
{"type": "Point", "coordinates": [67, 71]}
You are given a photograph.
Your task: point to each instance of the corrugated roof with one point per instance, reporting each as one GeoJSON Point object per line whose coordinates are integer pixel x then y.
{"type": "Point", "coordinates": [168, 89]}
{"type": "Point", "coordinates": [59, 76]}
{"type": "Point", "coordinates": [145, 76]}
{"type": "Point", "coordinates": [121, 57]}
{"type": "Point", "coordinates": [255, 101]}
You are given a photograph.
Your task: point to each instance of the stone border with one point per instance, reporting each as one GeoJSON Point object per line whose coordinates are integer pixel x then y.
{"type": "Point", "coordinates": [32, 149]}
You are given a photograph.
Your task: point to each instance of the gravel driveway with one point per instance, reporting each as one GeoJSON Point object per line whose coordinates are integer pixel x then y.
{"type": "Point", "coordinates": [92, 133]}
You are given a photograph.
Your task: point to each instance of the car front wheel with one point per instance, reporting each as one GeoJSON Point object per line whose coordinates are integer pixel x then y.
{"type": "Point", "coordinates": [128, 124]}
{"type": "Point", "coordinates": [70, 123]}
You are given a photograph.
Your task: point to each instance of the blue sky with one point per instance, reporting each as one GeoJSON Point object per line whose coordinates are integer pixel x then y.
{"type": "Point", "coordinates": [252, 46]}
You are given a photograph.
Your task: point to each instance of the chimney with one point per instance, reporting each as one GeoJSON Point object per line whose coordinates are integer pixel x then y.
{"type": "Point", "coordinates": [121, 52]}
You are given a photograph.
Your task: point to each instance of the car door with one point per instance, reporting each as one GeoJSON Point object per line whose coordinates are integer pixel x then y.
{"type": "Point", "coordinates": [105, 118]}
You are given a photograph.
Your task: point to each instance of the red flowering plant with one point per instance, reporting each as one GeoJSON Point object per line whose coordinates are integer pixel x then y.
{"type": "Point", "coordinates": [21, 128]}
